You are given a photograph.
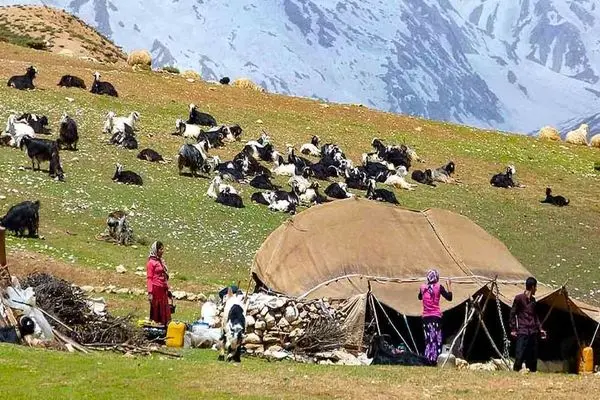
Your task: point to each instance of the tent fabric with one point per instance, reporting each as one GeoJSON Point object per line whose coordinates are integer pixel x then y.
{"type": "Point", "coordinates": [339, 249]}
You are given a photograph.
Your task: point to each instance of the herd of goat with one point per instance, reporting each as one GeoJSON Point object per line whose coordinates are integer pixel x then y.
{"type": "Point", "coordinates": [385, 164]}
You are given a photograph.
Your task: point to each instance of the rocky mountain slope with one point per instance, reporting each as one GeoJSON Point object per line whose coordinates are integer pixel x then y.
{"type": "Point", "coordinates": [513, 65]}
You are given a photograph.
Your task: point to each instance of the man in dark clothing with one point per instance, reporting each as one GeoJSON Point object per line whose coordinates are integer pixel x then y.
{"type": "Point", "coordinates": [525, 327]}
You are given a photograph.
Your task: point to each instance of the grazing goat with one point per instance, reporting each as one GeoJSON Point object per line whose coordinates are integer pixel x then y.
{"type": "Point", "coordinates": [38, 150]}
{"type": "Point", "coordinates": [505, 180]}
{"type": "Point", "coordinates": [99, 87]}
{"type": "Point", "coordinates": [217, 186]}
{"type": "Point", "coordinates": [228, 198]}
{"type": "Point", "coordinates": [444, 173]}
{"type": "Point", "coordinates": [150, 155]}
{"type": "Point", "coordinates": [338, 190]}
{"type": "Point", "coordinates": [72, 81]}
{"type": "Point", "coordinates": [199, 118]}
{"type": "Point", "coordinates": [423, 177]}
{"type": "Point", "coordinates": [127, 177]}
{"type": "Point", "coordinates": [55, 170]}
{"type": "Point", "coordinates": [187, 130]}
{"type": "Point", "coordinates": [192, 156]}
{"type": "Point", "coordinates": [39, 123]}
{"type": "Point", "coordinates": [311, 148]}
{"type": "Point", "coordinates": [234, 327]}
{"type": "Point", "coordinates": [262, 182]}
{"type": "Point", "coordinates": [17, 131]}
{"type": "Point", "coordinates": [224, 80]}
{"type": "Point", "coordinates": [380, 194]}
{"type": "Point", "coordinates": [397, 179]}
{"type": "Point", "coordinates": [23, 82]}
{"type": "Point", "coordinates": [68, 136]}
{"type": "Point", "coordinates": [558, 201]}
{"type": "Point", "coordinates": [22, 217]}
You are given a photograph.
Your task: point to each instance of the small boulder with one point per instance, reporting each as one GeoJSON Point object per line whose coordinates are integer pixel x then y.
{"type": "Point", "coordinates": [140, 58]}
{"type": "Point", "coordinates": [252, 338]}
{"type": "Point", "coordinates": [179, 294]}
{"type": "Point", "coordinates": [260, 325]}
{"type": "Point", "coordinates": [121, 269]}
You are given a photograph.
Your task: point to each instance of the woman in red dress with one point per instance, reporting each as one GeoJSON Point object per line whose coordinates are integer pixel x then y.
{"type": "Point", "coordinates": [157, 276]}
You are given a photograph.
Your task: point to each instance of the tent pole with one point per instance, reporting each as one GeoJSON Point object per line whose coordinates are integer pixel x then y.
{"type": "Point", "coordinates": [416, 351]}
{"type": "Point", "coordinates": [462, 337]}
{"type": "Point", "coordinates": [468, 353]}
{"type": "Point", "coordinates": [410, 333]}
{"type": "Point", "coordinates": [489, 336]}
{"type": "Point", "coordinates": [549, 312]}
{"type": "Point", "coordinates": [374, 311]}
{"type": "Point", "coordinates": [462, 329]}
{"type": "Point", "coordinates": [595, 333]}
{"type": "Point", "coordinates": [564, 289]}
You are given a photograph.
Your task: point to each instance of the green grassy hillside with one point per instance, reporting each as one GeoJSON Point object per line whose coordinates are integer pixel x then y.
{"type": "Point", "coordinates": [208, 244]}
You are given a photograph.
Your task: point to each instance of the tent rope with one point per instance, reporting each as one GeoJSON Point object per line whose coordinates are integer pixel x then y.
{"type": "Point", "coordinates": [459, 262]}
{"type": "Point", "coordinates": [410, 333]}
{"type": "Point", "coordinates": [506, 340]}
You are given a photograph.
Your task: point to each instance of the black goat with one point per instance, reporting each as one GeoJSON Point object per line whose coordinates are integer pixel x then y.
{"type": "Point", "coordinates": [127, 177]}
{"type": "Point", "coordinates": [262, 198]}
{"type": "Point", "coordinates": [39, 123]}
{"type": "Point", "coordinates": [224, 80]}
{"type": "Point", "coordinates": [504, 180]}
{"type": "Point", "coordinates": [150, 155]}
{"type": "Point", "coordinates": [72, 81]}
{"type": "Point", "coordinates": [262, 182]}
{"type": "Point", "coordinates": [558, 201]}
{"type": "Point", "coordinates": [338, 190]}
{"type": "Point", "coordinates": [213, 136]}
{"type": "Point", "coordinates": [424, 177]}
{"type": "Point", "coordinates": [68, 135]}
{"type": "Point", "coordinates": [227, 198]}
{"type": "Point", "coordinates": [356, 179]}
{"type": "Point", "coordinates": [199, 118]}
{"type": "Point", "coordinates": [380, 194]}
{"type": "Point", "coordinates": [23, 82]}
{"type": "Point", "coordinates": [21, 217]}
{"type": "Point", "coordinates": [99, 87]}
{"type": "Point", "coordinates": [38, 150]}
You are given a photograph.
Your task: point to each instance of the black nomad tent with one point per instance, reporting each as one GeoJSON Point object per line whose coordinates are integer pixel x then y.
{"type": "Point", "coordinates": [377, 255]}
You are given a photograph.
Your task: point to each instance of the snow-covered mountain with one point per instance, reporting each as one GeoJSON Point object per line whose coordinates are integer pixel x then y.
{"type": "Point", "coordinates": [513, 65]}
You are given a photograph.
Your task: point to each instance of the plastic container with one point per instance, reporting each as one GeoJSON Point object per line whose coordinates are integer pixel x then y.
{"type": "Point", "coordinates": [175, 334]}
{"type": "Point", "coordinates": [586, 362]}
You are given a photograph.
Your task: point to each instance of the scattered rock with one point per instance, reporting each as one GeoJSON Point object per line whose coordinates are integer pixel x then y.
{"type": "Point", "coordinates": [252, 338]}
{"type": "Point", "coordinates": [121, 269]}
{"type": "Point", "coordinates": [122, 291]}
{"type": "Point", "coordinates": [250, 321]}
{"type": "Point", "coordinates": [260, 325]}
{"type": "Point", "coordinates": [87, 289]}
{"type": "Point", "coordinates": [179, 295]}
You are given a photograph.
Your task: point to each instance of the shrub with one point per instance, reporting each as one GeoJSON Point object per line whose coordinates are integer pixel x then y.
{"type": "Point", "coordinates": [170, 69]}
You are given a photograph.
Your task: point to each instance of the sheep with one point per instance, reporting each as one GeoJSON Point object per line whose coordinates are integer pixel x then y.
{"type": "Point", "coordinates": [71, 81]}
{"type": "Point", "coordinates": [262, 182]}
{"type": "Point", "coordinates": [192, 156]}
{"type": "Point", "coordinates": [228, 198]}
{"type": "Point", "coordinates": [444, 173]}
{"type": "Point", "coordinates": [311, 148]}
{"type": "Point", "coordinates": [233, 328]}
{"type": "Point", "coordinates": [397, 179]}
{"type": "Point", "coordinates": [423, 177]}
{"type": "Point", "coordinates": [338, 190]}
{"type": "Point", "coordinates": [21, 217]}
{"type": "Point", "coordinates": [549, 133]}
{"type": "Point", "coordinates": [99, 87]}
{"type": "Point", "coordinates": [127, 177]}
{"type": "Point", "coordinates": [579, 135]}
{"type": "Point", "coordinates": [187, 130]}
{"type": "Point", "coordinates": [246, 83]}
{"type": "Point", "coordinates": [382, 195]}
{"type": "Point", "coordinates": [68, 135]}
{"type": "Point", "coordinates": [216, 187]}
{"type": "Point", "coordinates": [17, 131]}
{"type": "Point", "coordinates": [150, 155]}
{"type": "Point", "coordinates": [505, 180]}
{"type": "Point", "coordinates": [265, 198]}
{"type": "Point", "coordinates": [595, 140]}
{"type": "Point", "coordinates": [23, 82]}
{"type": "Point", "coordinates": [558, 201]}
{"type": "Point", "coordinates": [199, 118]}
{"type": "Point", "coordinates": [282, 168]}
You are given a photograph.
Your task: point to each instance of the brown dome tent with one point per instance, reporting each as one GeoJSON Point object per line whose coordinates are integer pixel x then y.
{"type": "Point", "coordinates": [341, 249]}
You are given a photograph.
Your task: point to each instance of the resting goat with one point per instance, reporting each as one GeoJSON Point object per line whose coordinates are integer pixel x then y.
{"type": "Point", "coordinates": [199, 118]}
{"type": "Point", "coordinates": [338, 190]}
{"type": "Point", "coordinates": [380, 194]}
{"type": "Point", "coordinates": [23, 82]}
{"type": "Point", "coordinates": [311, 148]}
{"type": "Point", "coordinates": [72, 81]}
{"type": "Point", "coordinates": [127, 177]}
{"type": "Point", "coordinates": [228, 198]}
{"type": "Point", "coordinates": [558, 201]}
{"type": "Point", "coordinates": [150, 155]}
{"type": "Point", "coordinates": [99, 87]}
{"type": "Point", "coordinates": [423, 177]}
{"type": "Point", "coordinates": [17, 131]}
{"type": "Point", "coordinates": [505, 180]}
{"type": "Point", "coordinates": [39, 123]}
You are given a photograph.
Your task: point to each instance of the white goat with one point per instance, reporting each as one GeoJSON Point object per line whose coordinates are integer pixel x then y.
{"type": "Point", "coordinates": [216, 187]}
{"type": "Point", "coordinates": [311, 148]}
{"type": "Point", "coordinates": [187, 130]}
{"type": "Point", "coordinates": [281, 168]}
{"type": "Point", "coordinates": [397, 179]}
{"type": "Point", "coordinates": [17, 131]}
